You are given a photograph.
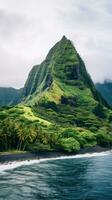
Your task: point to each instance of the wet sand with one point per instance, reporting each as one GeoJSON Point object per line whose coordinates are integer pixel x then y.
{"type": "Point", "coordinates": [7, 157]}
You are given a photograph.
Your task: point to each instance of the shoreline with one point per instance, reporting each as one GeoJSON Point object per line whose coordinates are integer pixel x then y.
{"type": "Point", "coordinates": [10, 157]}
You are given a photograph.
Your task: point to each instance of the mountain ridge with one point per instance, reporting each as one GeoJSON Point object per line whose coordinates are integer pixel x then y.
{"type": "Point", "coordinates": [60, 108]}
{"type": "Point", "coordinates": [72, 70]}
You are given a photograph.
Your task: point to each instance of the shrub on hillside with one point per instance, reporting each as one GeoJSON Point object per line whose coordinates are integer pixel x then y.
{"type": "Point", "coordinates": [69, 144]}
{"type": "Point", "coordinates": [103, 138]}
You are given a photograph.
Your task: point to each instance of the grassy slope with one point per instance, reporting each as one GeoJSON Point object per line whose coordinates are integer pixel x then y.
{"type": "Point", "coordinates": [24, 112]}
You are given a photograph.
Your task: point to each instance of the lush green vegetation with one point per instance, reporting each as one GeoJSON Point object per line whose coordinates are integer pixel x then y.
{"type": "Point", "coordinates": [70, 144]}
{"type": "Point", "coordinates": [61, 109]}
{"type": "Point", "coordinates": [21, 129]}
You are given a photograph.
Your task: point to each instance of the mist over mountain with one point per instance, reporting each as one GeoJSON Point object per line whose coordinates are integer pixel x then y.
{"type": "Point", "coordinates": [105, 89]}
{"type": "Point", "coordinates": [9, 96]}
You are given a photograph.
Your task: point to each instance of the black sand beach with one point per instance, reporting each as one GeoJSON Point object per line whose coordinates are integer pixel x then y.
{"type": "Point", "coordinates": [7, 157]}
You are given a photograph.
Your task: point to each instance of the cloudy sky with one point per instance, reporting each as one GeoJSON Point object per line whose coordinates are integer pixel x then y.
{"type": "Point", "coordinates": [29, 28]}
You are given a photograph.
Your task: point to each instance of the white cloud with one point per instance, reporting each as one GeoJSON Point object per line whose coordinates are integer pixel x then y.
{"type": "Point", "coordinates": [29, 28]}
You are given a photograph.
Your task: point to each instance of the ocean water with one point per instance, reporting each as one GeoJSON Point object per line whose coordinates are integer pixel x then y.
{"type": "Point", "coordinates": [81, 177]}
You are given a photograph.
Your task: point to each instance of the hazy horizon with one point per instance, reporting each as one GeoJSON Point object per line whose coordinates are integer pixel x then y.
{"type": "Point", "coordinates": [29, 28]}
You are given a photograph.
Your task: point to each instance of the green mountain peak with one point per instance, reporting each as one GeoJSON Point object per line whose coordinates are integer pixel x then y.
{"type": "Point", "coordinates": [60, 109]}
{"type": "Point", "coordinates": [61, 71]}
{"type": "Point", "coordinates": [64, 37]}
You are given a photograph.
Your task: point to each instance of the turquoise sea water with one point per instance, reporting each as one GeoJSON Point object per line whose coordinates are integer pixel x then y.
{"type": "Point", "coordinates": [77, 178]}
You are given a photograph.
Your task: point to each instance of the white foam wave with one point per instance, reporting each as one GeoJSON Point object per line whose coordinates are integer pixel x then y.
{"type": "Point", "coordinates": [16, 164]}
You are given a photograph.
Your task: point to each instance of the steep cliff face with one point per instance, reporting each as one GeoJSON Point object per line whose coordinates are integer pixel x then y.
{"type": "Point", "coordinates": [62, 71]}
{"type": "Point", "coordinates": [9, 96]}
